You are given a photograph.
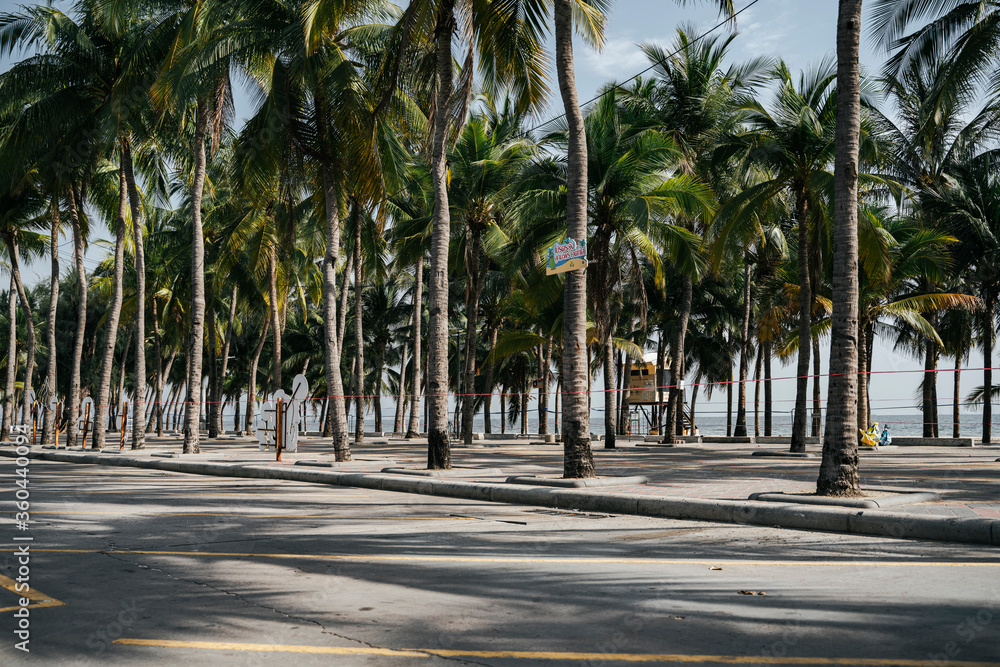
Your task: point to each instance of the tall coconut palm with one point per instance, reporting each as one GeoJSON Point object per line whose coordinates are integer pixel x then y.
{"type": "Point", "coordinates": [692, 98]}
{"type": "Point", "coordinates": [92, 71]}
{"type": "Point", "coordinates": [630, 209]}
{"type": "Point", "coordinates": [969, 205]}
{"type": "Point", "coordinates": [792, 142]}
{"type": "Point", "coordinates": [578, 459]}
{"type": "Point", "coordinates": [963, 33]}
{"type": "Point", "coordinates": [506, 41]}
{"type": "Point", "coordinates": [485, 162]}
{"type": "Point", "coordinates": [21, 213]}
{"type": "Point", "coordinates": [935, 125]}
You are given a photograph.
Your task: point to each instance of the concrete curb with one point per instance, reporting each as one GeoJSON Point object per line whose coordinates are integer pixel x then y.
{"type": "Point", "coordinates": [561, 482]}
{"type": "Point", "coordinates": [905, 498]}
{"type": "Point", "coordinates": [783, 454]}
{"type": "Point", "coordinates": [781, 515]}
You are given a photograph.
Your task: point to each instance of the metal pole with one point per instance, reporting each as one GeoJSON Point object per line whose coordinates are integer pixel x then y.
{"type": "Point", "coordinates": [34, 422]}
{"type": "Point", "coordinates": [279, 427]}
{"type": "Point", "coordinates": [124, 421]}
{"type": "Point", "coordinates": [86, 423]}
{"type": "Point", "coordinates": [57, 415]}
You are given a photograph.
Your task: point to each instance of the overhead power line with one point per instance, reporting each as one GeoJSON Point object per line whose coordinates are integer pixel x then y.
{"type": "Point", "coordinates": [638, 74]}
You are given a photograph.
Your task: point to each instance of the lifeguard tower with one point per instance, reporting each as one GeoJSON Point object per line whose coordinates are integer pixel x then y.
{"type": "Point", "coordinates": [648, 396]}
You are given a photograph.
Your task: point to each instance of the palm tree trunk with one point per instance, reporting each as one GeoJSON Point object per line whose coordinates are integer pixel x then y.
{"type": "Point", "coordinates": [869, 343]}
{"type": "Point", "coordinates": [438, 442]}
{"type": "Point", "coordinates": [157, 417]}
{"type": "Point", "coordinates": [413, 430]}
{"type": "Point", "coordinates": [677, 360]}
{"type": "Point", "coordinates": [226, 346]}
{"type": "Point", "coordinates": [236, 415]}
{"type": "Point", "coordinates": [524, 406]}
{"type": "Point", "coordinates": [161, 381]}
{"type": "Point", "coordinates": [120, 394]}
{"type": "Point", "coordinates": [397, 422]}
{"type": "Point", "coordinates": [578, 459]}
{"type": "Point", "coordinates": [214, 395]}
{"type": "Point", "coordinates": [838, 474]}
{"type": "Point", "coordinates": [50, 328]}
{"type": "Point", "coordinates": [619, 381]}
{"type": "Point", "coordinates": [609, 394]}
{"type": "Point", "coordinates": [8, 394]}
{"type": "Point", "coordinates": [935, 357]}
{"type": "Point", "coordinates": [694, 403]}
{"type": "Point", "coordinates": [29, 367]}
{"type": "Point", "coordinates": [139, 409]}
{"type": "Point", "coordinates": [114, 315]}
{"type": "Point", "coordinates": [817, 411]}
{"type": "Point", "coordinates": [334, 381]}
{"type": "Point", "coordinates": [192, 416]}
{"type": "Point", "coordinates": [165, 412]}
{"type": "Point", "coordinates": [626, 417]}
{"type": "Point", "coordinates": [180, 406]}
{"type": "Point", "coordinates": [926, 392]}
{"type": "Point", "coordinates": [377, 394]}
{"type": "Point", "coordinates": [956, 399]}
{"type": "Point", "coordinates": [756, 393]}
{"type": "Point", "coordinates": [344, 295]}
{"type": "Point", "coordinates": [805, 321]}
{"type": "Point", "coordinates": [272, 289]}
{"type": "Point", "coordinates": [252, 377]}
{"type": "Point", "coordinates": [989, 332]}
{"type": "Point", "coordinates": [661, 354]}
{"type": "Point", "coordinates": [81, 318]}
{"type": "Point", "coordinates": [768, 399]}
{"type": "Point", "coordinates": [471, 337]}
{"type": "Point", "coordinates": [729, 393]}
{"type": "Point", "coordinates": [359, 340]}
{"type": "Point", "coordinates": [863, 416]}
{"type": "Point", "coordinates": [741, 401]}
{"type": "Point", "coordinates": [488, 403]}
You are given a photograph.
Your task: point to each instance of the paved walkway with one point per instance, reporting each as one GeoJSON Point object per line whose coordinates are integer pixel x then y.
{"type": "Point", "coordinates": [967, 478]}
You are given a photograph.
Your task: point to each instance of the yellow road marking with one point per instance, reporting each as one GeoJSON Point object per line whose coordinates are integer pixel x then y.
{"type": "Point", "coordinates": [272, 516]}
{"type": "Point", "coordinates": [549, 655]}
{"type": "Point", "coordinates": [523, 559]}
{"type": "Point", "coordinates": [40, 599]}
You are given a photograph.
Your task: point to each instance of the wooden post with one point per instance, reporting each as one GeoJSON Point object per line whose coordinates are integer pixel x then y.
{"type": "Point", "coordinates": [279, 427]}
{"type": "Point", "coordinates": [124, 421]}
{"type": "Point", "coordinates": [86, 423]}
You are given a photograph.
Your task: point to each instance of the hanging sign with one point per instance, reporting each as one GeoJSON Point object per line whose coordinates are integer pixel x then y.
{"type": "Point", "coordinates": [566, 255]}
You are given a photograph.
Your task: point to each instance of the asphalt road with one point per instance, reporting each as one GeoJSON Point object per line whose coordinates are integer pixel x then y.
{"type": "Point", "coordinates": [134, 567]}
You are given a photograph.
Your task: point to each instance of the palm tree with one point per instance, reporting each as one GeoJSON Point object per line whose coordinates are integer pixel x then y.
{"type": "Point", "coordinates": [969, 205]}
{"type": "Point", "coordinates": [692, 99]}
{"type": "Point", "coordinates": [578, 459]}
{"type": "Point", "coordinates": [793, 144]}
{"type": "Point", "coordinates": [963, 33]}
{"type": "Point", "coordinates": [88, 76]}
{"type": "Point", "coordinates": [505, 39]}
{"type": "Point", "coordinates": [896, 256]}
{"type": "Point", "coordinates": [21, 213]}
{"type": "Point", "coordinates": [838, 475]}
{"type": "Point", "coordinates": [485, 163]}
{"type": "Point", "coordinates": [935, 125]}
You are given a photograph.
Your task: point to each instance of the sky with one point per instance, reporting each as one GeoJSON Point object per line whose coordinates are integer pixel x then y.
{"type": "Point", "coordinates": [802, 32]}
